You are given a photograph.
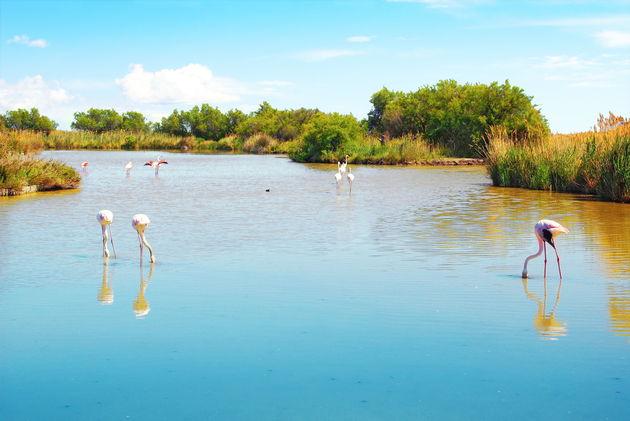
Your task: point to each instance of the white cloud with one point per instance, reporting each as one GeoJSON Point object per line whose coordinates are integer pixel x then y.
{"type": "Point", "coordinates": [190, 84]}
{"type": "Point", "coordinates": [442, 4]}
{"type": "Point", "coordinates": [559, 62]}
{"type": "Point", "coordinates": [614, 38]}
{"type": "Point", "coordinates": [31, 92]}
{"type": "Point", "coordinates": [275, 83]}
{"type": "Point", "coordinates": [25, 40]}
{"type": "Point", "coordinates": [321, 55]}
{"type": "Point", "coordinates": [360, 38]}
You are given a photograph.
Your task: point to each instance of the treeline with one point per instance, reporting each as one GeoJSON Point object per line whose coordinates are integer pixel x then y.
{"type": "Point", "coordinates": [456, 116]}
{"type": "Point", "coordinates": [439, 120]}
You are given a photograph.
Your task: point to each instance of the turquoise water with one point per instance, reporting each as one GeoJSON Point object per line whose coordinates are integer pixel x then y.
{"type": "Point", "coordinates": [402, 300]}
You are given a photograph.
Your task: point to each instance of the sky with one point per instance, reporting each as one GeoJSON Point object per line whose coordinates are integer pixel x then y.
{"type": "Point", "coordinates": [62, 57]}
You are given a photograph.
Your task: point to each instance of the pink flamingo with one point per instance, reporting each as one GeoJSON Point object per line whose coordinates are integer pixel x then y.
{"type": "Point", "coordinates": [140, 222]}
{"type": "Point", "coordinates": [156, 164]}
{"type": "Point", "coordinates": [84, 164]}
{"type": "Point", "coordinates": [105, 218]}
{"type": "Point", "coordinates": [545, 231]}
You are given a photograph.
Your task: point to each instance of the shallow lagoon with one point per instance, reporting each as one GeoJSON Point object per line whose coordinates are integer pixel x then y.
{"type": "Point", "coordinates": [401, 301]}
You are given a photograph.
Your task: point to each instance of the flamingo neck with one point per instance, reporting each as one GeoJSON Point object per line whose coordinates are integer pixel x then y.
{"type": "Point", "coordinates": [144, 241]}
{"type": "Point", "coordinates": [533, 256]}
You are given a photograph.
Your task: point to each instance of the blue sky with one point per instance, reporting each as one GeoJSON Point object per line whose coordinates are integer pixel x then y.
{"type": "Point", "coordinates": [573, 57]}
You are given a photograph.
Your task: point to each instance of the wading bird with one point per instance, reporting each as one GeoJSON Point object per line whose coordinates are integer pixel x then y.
{"type": "Point", "coordinates": [350, 178]}
{"type": "Point", "coordinates": [338, 176]}
{"type": "Point", "coordinates": [545, 231]}
{"type": "Point", "coordinates": [105, 218]}
{"type": "Point", "coordinates": [128, 167]}
{"type": "Point", "coordinates": [139, 222]}
{"type": "Point", "coordinates": [84, 164]}
{"type": "Point", "coordinates": [341, 166]}
{"type": "Point", "coordinates": [156, 164]}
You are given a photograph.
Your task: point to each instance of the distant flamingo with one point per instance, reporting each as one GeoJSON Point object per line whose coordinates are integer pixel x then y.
{"type": "Point", "coordinates": [105, 218]}
{"type": "Point", "coordinates": [350, 178]}
{"type": "Point", "coordinates": [341, 166]}
{"type": "Point", "coordinates": [128, 167]}
{"type": "Point", "coordinates": [139, 222]}
{"type": "Point", "coordinates": [545, 231]}
{"type": "Point", "coordinates": [84, 165]}
{"type": "Point", "coordinates": [338, 176]}
{"type": "Point", "coordinates": [156, 164]}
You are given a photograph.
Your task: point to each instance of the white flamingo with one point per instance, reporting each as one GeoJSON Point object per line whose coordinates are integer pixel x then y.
{"type": "Point", "coordinates": [341, 166]}
{"type": "Point", "coordinates": [545, 231]}
{"type": "Point", "coordinates": [140, 222]}
{"type": "Point", "coordinates": [338, 176]}
{"type": "Point", "coordinates": [350, 178]}
{"type": "Point", "coordinates": [128, 167]}
{"type": "Point", "coordinates": [105, 218]}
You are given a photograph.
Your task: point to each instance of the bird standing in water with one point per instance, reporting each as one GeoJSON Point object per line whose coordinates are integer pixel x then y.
{"type": "Point", "coordinates": [105, 218]}
{"type": "Point", "coordinates": [128, 167]}
{"type": "Point", "coordinates": [350, 178]}
{"type": "Point", "coordinates": [156, 164]}
{"type": "Point", "coordinates": [140, 222]}
{"type": "Point", "coordinates": [546, 230]}
{"type": "Point", "coordinates": [338, 176]}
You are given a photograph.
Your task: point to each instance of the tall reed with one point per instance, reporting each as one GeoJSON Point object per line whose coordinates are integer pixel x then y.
{"type": "Point", "coordinates": [590, 162]}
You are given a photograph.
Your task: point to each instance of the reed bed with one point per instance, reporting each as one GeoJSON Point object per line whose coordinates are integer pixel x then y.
{"type": "Point", "coordinates": [406, 150]}
{"type": "Point", "coordinates": [18, 167]}
{"type": "Point", "coordinates": [590, 162]}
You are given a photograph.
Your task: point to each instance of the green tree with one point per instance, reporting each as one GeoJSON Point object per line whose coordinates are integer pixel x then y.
{"type": "Point", "coordinates": [22, 119]}
{"type": "Point", "coordinates": [96, 120]}
{"type": "Point", "coordinates": [134, 122]}
{"type": "Point", "coordinates": [325, 135]}
{"type": "Point", "coordinates": [234, 118]}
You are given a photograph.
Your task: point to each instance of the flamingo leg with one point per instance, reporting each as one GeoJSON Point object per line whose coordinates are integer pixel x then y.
{"type": "Point", "coordinates": [111, 238]}
{"type": "Point", "coordinates": [558, 258]}
{"type": "Point", "coordinates": [105, 251]}
{"type": "Point", "coordinates": [545, 270]}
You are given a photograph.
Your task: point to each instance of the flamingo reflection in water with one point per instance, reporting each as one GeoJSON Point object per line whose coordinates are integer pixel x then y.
{"type": "Point", "coordinates": [141, 306]}
{"type": "Point", "coordinates": [106, 293]}
{"type": "Point", "coordinates": [548, 326]}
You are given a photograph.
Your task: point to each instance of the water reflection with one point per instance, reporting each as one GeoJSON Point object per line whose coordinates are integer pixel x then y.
{"type": "Point", "coordinates": [548, 326]}
{"type": "Point", "coordinates": [106, 293]}
{"type": "Point", "coordinates": [619, 309]}
{"type": "Point", "coordinates": [141, 306]}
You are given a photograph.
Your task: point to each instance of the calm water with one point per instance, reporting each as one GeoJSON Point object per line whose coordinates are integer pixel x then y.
{"type": "Point", "coordinates": [401, 301]}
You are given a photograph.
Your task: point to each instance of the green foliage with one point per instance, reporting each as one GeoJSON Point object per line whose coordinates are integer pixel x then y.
{"type": "Point", "coordinates": [455, 116]}
{"type": "Point", "coordinates": [96, 120]}
{"type": "Point", "coordinates": [22, 119]}
{"type": "Point", "coordinates": [325, 135]}
{"type": "Point", "coordinates": [284, 125]}
{"type": "Point", "coordinates": [133, 121]}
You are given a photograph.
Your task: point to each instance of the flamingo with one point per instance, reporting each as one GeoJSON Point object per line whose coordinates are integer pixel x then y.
{"type": "Point", "coordinates": [545, 231]}
{"type": "Point", "coordinates": [350, 178]}
{"type": "Point", "coordinates": [128, 167]}
{"type": "Point", "coordinates": [156, 164]}
{"type": "Point", "coordinates": [105, 218]}
{"type": "Point", "coordinates": [139, 222]}
{"type": "Point", "coordinates": [338, 176]}
{"type": "Point", "coordinates": [342, 165]}
{"type": "Point", "coordinates": [84, 165]}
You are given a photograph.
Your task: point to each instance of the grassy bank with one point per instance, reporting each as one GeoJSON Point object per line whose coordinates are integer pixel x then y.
{"type": "Point", "coordinates": [592, 162]}
{"type": "Point", "coordinates": [362, 149]}
{"type": "Point", "coordinates": [18, 168]}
